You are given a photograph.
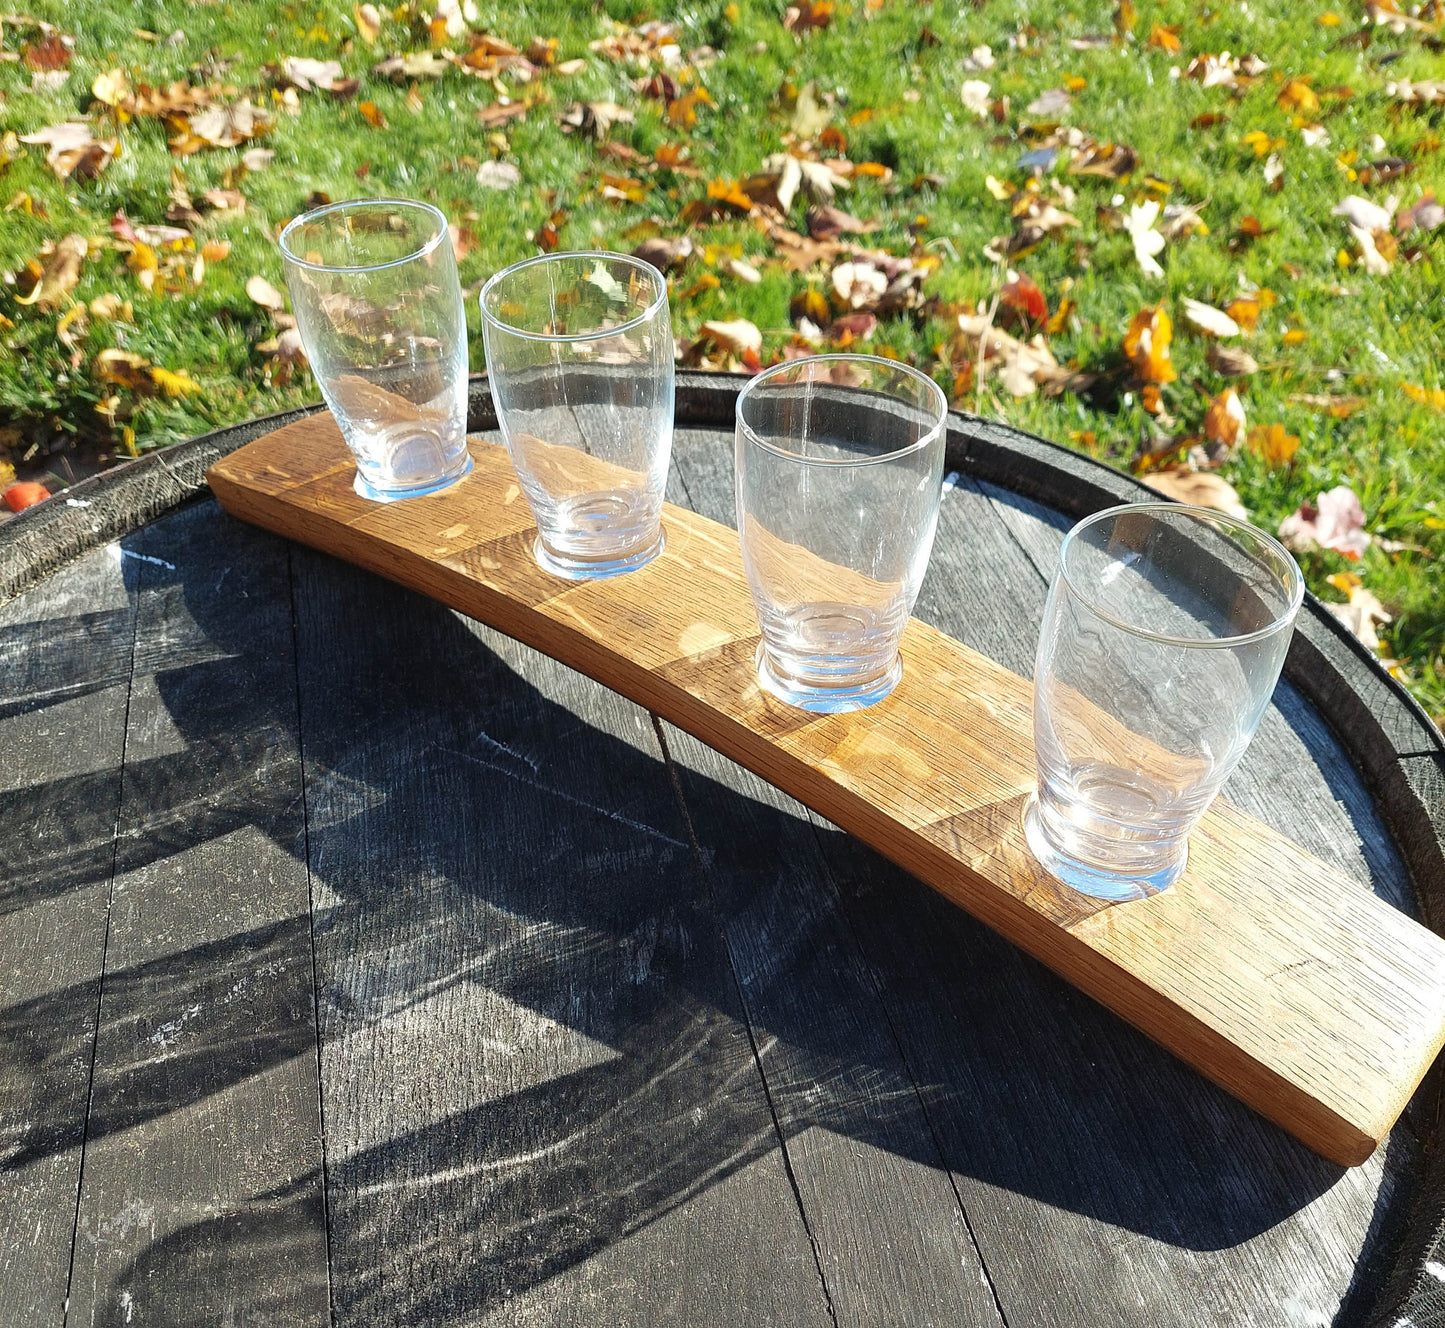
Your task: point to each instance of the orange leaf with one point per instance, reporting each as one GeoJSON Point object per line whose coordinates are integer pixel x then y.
{"type": "Point", "coordinates": [1124, 17]}
{"type": "Point", "coordinates": [1025, 298]}
{"type": "Point", "coordinates": [1166, 39]}
{"type": "Point", "coordinates": [1147, 345]}
{"type": "Point", "coordinates": [728, 192]}
{"type": "Point", "coordinates": [371, 114]}
{"type": "Point", "coordinates": [1273, 444]}
{"type": "Point", "coordinates": [1224, 419]}
{"type": "Point", "coordinates": [683, 111]}
{"type": "Point", "coordinates": [1244, 312]}
{"type": "Point", "coordinates": [213, 251]}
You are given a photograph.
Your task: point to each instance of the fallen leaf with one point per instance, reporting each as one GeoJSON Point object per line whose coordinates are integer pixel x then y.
{"type": "Point", "coordinates": [124, 368]}
{"type": "Point", "coordinates": [1230, 362]}
{"type": "Point", "coordinates": [1341, 408]}
{"type": "Point", "coordinates": [1244, 313]}
{"type": "Point", "coordinates": [174, 383]}
{"type": "Point", "coordinates": [112, 87]}
{"type": "Point", "coordinates": [1023, 298]}
{"type": "Point", "coordinates": [309, 75]}
{"type": "Point", "coordinates": [1147, 241]}
{"type": "Point", "coordinates": [60, 276]}
{"type": "Point", "coordinates": [71, 149]}
{"type": "Point", "coordinates": [463, 238]}
{"type": "Point", "coordinates": [224, 126]}
{"type": "Point", "coordinates": [810, 117]}
{"type": "Point", "coordinates": [1298, 97]}
{"type": "Point", "coordinates": [665, 254]}
{"type": "Point", "coordinates": [812, 304]}
{"type": "Point", "coordinates": [594, 119]}
{"type": "Point", "coordinates": [1166, 39]}
{"type": "Point", "coordinates": [110, 306]}
{"type": "Point", "coordinates": [683, 112]}
{"type": "Point", "coordinates": [737, 335]}
{"type": "Point", "coordinates": [1208, 319]}
{"type": "Point", "coordinates": [50, 53]}
{"type": "Point", "coordinates": [412, 66]}
{"type": "Point", "coordinates": [1111, 160]}
{"type": "Point", "coordinates": [1273, 445]}
{"type": "Point", "coordinates": [1199, 488]}
{"type": "Point", "coordinates": [1050, 104]}
{"type": "Point", "coordinates": [225, 200]}
{"type": "Point", "coordinates": [371, 113]}
{"type": "Point", "coordinates": [808, 15]}
{"type": "Point", "coordinates": [213, 251]}
{"type": "Point", "coordinates": [257, 159]}
{"type": "Point", "coordinates": [1147, 345]}
{"type": "Point", "coordinates": [1224, 419]}
{"type": "Point", "coordinates": [976, 96]}
{"type": "Point", "coordinates": [1296, 336]}
{"type": "Point", "coordinates": [740, 270]}
{"type": "Point", "coordinates": [1336, 520]}
{"type": "Point", "coordinates": [1427, 396]}
{"type": "Point", "coordinates": [498, 175]}
{"type": "Point", "coordinates": [1361, 611]}
{"type": "Point", "coordinates": [25, 494]}
{"type": "Point", "coordinates": [827, 223]}
{"type": "Point", "coordinates": [262, 292]}
{"type": "Point", "coordinates": [368, 23]}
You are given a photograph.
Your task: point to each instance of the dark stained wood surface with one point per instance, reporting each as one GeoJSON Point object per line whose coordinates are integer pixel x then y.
{"type": "Point", "coordinates": [609, 1031]}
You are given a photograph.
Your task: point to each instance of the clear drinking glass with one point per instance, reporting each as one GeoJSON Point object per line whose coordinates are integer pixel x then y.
{"type": "Point", "coordinates": [839, 472]}
{"type": "Point", "coordinates": [579, 358]}
{"type": "Point", "coordinates": [374, 288]}
{"type": "Point", "coordinates": [1163, 638]}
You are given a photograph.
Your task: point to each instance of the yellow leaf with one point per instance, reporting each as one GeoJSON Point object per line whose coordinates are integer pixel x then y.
{"type": "Point", "coordinates": [111, 87]}
{"type": "Point", "coordinates": [1147, 345]}
{"type": "Point", "coordinates": [368, 23]}
{"type": "Point", "coordinates": [123, 367]}
{"type": "Point", "coordinates": [1295, 336]}
{"type": "Point", "coordinates": [1244, 312]}
{"type": "Point", "coordinates": [1427, 396]}
{"type": "Point", "coordinates": [1273, 444]}
{"type": "Point", "coordinates": [1259, 141]}
{"type": "Point", "coordinates": [177, 383]}
{"type": "Point", "coordinates": [1344, 582]}
{"type": "Point", "coordinates": [1328, 20]}
{"type": "Point", "coordinates": [1074, 83]}
{"type": "Point", "coordinates": [1124, 17]}
{"type": "Point", "coordinates": [1298, 96]}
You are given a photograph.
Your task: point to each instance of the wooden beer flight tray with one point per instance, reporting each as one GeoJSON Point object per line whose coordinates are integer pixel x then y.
{"type": "Point", "coordinates": [1272, 973]}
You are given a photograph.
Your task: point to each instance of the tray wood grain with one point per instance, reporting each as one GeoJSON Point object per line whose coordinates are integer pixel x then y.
{"type": "Point", "coordinates": [1272, 973]}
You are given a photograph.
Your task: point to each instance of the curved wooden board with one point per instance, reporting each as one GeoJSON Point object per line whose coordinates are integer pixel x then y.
{"type": "Point", "coordinates": [1267, 970]}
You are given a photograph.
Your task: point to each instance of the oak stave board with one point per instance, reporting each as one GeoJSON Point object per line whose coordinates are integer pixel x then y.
{"type": "Point", "coordinates": [1267, 970]}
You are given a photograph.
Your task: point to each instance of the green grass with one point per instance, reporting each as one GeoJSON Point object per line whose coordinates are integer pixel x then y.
{"type": "Point", "coordinates": [1367, 335]}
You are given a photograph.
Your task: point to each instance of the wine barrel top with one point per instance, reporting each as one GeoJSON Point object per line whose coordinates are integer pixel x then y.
{"type": "Point", "coordinates": [359, 963]}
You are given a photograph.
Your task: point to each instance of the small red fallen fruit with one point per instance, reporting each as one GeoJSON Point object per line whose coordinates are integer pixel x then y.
{"type": "Point", "coordinates": [25, 494]}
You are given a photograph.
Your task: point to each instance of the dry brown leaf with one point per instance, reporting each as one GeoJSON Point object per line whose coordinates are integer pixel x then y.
{"type": "Point", "coordinates": [225, 126]}
{"type": "Point", "coordinates": [123, 368]}
{"type": "Point", "coordinates": [262, 292]}
{"type": "Point", "coordinates": [594, 119]}
{"type": "Point", "coordinates": [112, 87]}
{"type": "Point", "coordinates": [411, 66]}
{"type": "Point", "coordinates": [308, 75]}
{"type": "Point", "coordinates": [50, 53]}
{"type": "Point", "coordinates": [827, 223]}
{"type": "Point", "coordinates": [1362, 610]}
{"type": "Point", "coordinates": [72, 149]}
{"type": "Point", "coordinates": [1230, 362]}
{"type": "Point", "coordinates": [808, 15]}
{"type": "Point", "coordinates": [60, 276]}
{"type": "Point", "coordinates": [1199, 488]}
{"type": "Point", "coordinates": [665, 254]}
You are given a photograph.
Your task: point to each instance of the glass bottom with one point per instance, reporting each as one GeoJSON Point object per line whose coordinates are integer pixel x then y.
{"type": "Point", "coordinates": [1093, 880]}
{"type": "Point", "coordinates": [376, 495]}
{"type": "Point", "coordinates": [825, 700]}
{"type": "Point", "coordinates": [596, 569]}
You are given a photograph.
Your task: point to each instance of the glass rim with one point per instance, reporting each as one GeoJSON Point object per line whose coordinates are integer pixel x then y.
{"type": "Point", "coordinates": [1294, 582]}
{"type": "Point", "coordinates": [364, 205]}
{"type": "Point", "coordinates": [778, 370]}
{"type": "Point", "coordinates": [653, 275]}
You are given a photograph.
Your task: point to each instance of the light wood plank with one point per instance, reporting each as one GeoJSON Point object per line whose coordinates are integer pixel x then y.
{"type": "Point", "coordinates": [1271, 972]}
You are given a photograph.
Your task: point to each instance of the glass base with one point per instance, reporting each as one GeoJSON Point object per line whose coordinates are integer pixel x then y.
{"type": "Point", "coordinates": [376, 495]}
{"type": "Point", "coordinates": [825, 700]}
{"type": "Point", "coordinates": [1091, 879]}
{"type": "Point", "coordinates": [596, 569]}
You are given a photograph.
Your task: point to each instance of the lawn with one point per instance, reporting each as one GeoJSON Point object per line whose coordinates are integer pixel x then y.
{"type": "Point", "coordinates": [1077, 182]}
